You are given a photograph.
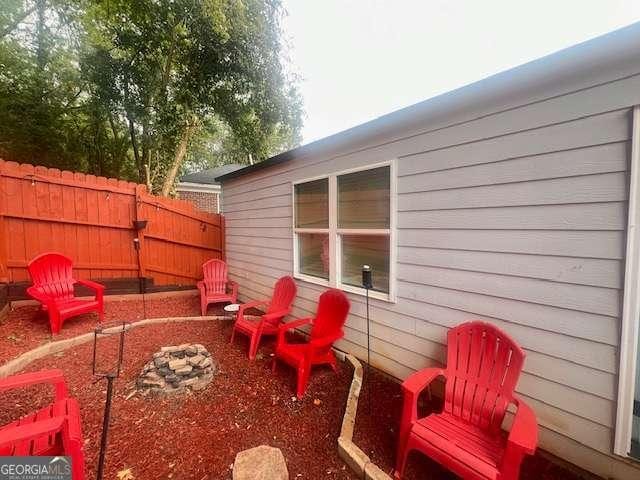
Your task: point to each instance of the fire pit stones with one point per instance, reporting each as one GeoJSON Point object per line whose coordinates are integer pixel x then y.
{"type": "Point", "coordinates": [176, 368]}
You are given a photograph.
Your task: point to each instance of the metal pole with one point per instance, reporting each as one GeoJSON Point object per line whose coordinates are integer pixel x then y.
{"type": "Point", "coordinates": [141, 281]}
{"type": "Point", "coordinates": [105, 427]}
{"type": "Point", "coordinates": [367, 283]}
{"type": "Point", "coordinates": [110, 376]}
{"type": "Point", "coordinates": [368, 352]}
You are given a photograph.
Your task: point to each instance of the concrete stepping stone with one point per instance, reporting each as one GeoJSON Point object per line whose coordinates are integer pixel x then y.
{"type": "Point", "coordinates": [260, 463]}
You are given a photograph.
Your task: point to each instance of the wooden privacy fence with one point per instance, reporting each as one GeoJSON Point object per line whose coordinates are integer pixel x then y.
{"type": "Point", "coordinates": [91, 219]}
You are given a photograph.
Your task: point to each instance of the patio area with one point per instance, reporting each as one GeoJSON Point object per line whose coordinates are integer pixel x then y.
{"type": "Point", "coordinates": [196, 435]}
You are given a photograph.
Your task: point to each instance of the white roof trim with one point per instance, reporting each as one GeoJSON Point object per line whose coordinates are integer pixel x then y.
{"type": "Point", "coordinates": [198, 187]}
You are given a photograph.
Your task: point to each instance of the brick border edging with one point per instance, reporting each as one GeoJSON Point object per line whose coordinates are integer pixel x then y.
{"type": "Point", "coordinates": [20, 362]}
{"type": "Point", "coordinates": [350, 453]}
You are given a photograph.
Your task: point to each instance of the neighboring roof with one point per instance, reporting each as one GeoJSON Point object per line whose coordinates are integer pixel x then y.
{"type": "Point", "coordinates": [209, 176]}
{"type": "Point", "coordinates": [600, 60]}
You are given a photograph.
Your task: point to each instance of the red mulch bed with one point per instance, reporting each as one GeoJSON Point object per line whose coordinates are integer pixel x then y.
{"type": "Point", "coordinates": [376, 434]}
{"type": "Point", "coordinates": [27, 327]}
{"type": "Point", "coordinates": [197, 435]}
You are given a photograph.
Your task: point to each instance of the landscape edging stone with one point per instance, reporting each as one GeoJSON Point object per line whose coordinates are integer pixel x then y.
{"type": "Point", "coordinates": [20, 362]}
{"type": "Point", "coordinates": [348, 451]}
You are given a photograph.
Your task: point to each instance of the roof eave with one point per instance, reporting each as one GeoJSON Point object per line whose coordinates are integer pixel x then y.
{"type": "Point", "coordinates": [610, 54]}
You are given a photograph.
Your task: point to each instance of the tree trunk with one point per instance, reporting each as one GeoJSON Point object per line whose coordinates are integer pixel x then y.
{"type": "Point", "coordinates": [147, 177]}
{"type": "Point", "coordinates": [189, 129]}
{"type": "Point", "coordinates": [134, 144]}
{"type": "Point", "coordinates": [114, 128]}
{"type": "Point", "coordinates": [146, 151]}
{"type": "Point", "coordinates": [41, 50]}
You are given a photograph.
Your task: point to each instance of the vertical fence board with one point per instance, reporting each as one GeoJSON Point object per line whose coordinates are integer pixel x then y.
{"type": "Point", "coordinates": [91, 219]}
{"type": "Point", "coordinates": [4, 274]}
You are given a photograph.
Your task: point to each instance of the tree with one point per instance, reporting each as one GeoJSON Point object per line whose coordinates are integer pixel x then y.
{"type": "Point", "coordinates": [139, 84]}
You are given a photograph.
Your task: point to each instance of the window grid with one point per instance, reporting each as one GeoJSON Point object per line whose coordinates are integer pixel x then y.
{"type": "Point", "coordinates": [336, 236]}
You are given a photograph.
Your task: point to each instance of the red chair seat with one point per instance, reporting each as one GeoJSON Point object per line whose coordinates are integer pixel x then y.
{"type": "Point", "coordinates": [284, 292]}
{"type": "Point", "coordinates": [333, 308]}
{"type": "Point", "coordinates": [49, 445]}
{"type": "Point", "coordinates": [51, 431]}
{"type": "Point", "coordinates": [483, 366]}
{"type": "Point", "coordinates": [52, 277]}
{"type": "Point", "coordinates": [220, 298]}
{"type": "Point", "coordinates": [294, 354]}
{"type": "Point", "coordinates": [452, 437]}
{"type": "Point", "coordinates": [215, 287]}
{"type": "Point", "coordinates": [250, 325]}
{"type": "Point", "coordinates": [74, 306]}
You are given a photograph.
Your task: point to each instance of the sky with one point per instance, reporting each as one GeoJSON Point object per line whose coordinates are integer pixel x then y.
{"type": "Point", "coordinates": [359, 59]}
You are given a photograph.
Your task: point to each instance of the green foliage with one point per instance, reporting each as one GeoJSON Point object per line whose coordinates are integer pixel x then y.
{"type": "Point", "coordinates": [112, 86]}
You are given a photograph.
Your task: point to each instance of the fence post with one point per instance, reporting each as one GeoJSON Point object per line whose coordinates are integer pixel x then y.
{"type": "Point", "coordinates": [223, 237]}
{"type": "Point", "coordinates": [4, 268]}
{"type": "Point", "coordinates": [139, 233]}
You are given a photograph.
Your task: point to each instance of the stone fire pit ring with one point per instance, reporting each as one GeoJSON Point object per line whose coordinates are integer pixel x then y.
{"type": "Point", "coordinates": [177, 368]}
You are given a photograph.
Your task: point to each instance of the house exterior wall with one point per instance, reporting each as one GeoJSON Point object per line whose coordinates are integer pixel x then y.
{"type": "Point", "coordinates": [515, 214]}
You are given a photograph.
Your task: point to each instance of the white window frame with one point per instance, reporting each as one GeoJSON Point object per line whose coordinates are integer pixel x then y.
{"type": "Point", "coordinates": [631, 304]}
{"type": "Point", "coordinates": [335, 233]}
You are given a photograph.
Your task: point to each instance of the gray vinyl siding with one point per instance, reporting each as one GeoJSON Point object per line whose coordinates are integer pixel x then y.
{"type": "Point", "coordinates": [516, 217]}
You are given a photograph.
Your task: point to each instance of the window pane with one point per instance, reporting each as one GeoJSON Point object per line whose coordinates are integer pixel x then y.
{"type": "Point", "coordinates": [372, 250]}
{"type": "Point", "coordinates": [313, 254]}
{"type": "Point", "coordinates": [363, 199]}
{"type": "Point", "coordinates": [312, 204]}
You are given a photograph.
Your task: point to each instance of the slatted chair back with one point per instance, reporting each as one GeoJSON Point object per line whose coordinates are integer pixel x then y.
{"type": "Point", "coordinates": [215, 276]}
{"type": "Point", "coordinates": [333, 308]}
{"type": "Point", "coordinates": [53, 274]}
{"type": "Point", "coordinates": [284, 293]}
{"type": "Point", "coordinates": [483, 366]}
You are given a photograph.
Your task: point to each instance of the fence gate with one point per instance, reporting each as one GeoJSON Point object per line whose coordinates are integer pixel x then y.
{"type": "Point", "coordinates": [91, 219]}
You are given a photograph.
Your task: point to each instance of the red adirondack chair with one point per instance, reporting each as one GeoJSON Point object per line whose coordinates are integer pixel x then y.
{"type": "Point", "coordinates": [214, 287]}
{"type": "Point", "coordinates": [483, 366]}
{"type": "Point", "coordinates": [279, 307]}
{"type": "Point", "coordinates": [333, 308]}
{"type": "Point", "coordinates": [52, 431]}
{"type": "Point", "coordinates": [52, 277]}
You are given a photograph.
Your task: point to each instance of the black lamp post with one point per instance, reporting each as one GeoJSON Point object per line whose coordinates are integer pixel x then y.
{"type": "Point", "coordinates": [367, 283]}
{"type": "Point", "coordinates": [110, 372]}
{"type": "Point", "coordinates": [139, 226]}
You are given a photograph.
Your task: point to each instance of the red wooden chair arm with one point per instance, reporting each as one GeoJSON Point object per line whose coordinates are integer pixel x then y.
{"type": "Point", "coordinates": [98, 287]}
{"type": "Point", "coordinates": [276, 315]}
{"type": "Point", "coordinates": [201, 286]}
{"type": "Point", "coordinates": [246, 306]}
{"type": "Point", "coordinates": [95, 286]}
{"type": "Point", "coordinates": [411, 389]}
{"type": "Point", "coordinates": [53, 377]}
{"type": "Point", "coordinates": [326, 341]}
{"type": "Point", "coordinates": [40, 295]}
{"type": "Point", "coordinates": [234, 289]}
{"type": "Point", "coordinates": [282, 329]}
{"type": "Point", "coordinates": [524, 430]}
{"type": "Point", "coordinates": [31, 430]}
{"type": "Point", "coordinates": [419, 380]}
